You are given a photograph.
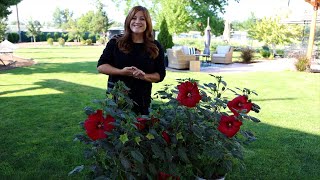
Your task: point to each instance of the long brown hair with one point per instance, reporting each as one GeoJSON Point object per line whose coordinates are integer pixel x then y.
{"type": "Point", "coordinates": [125, 42]}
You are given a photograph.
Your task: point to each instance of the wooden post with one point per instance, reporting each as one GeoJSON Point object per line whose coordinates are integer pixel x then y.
{"type": "Point", "coordinates": [312, 32]}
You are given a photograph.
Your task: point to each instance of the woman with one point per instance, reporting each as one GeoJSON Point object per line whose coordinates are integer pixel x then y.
{"type": "Point", "coordinates": [135, 58]}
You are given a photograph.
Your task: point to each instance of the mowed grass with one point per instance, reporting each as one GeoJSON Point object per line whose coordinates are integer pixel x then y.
{"type": "Point", "coordinates": [41, 107]}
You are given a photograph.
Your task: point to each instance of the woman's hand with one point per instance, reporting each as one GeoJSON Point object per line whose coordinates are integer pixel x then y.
{"type": "Point", "coordinates": [137, 73]}
{"type": "Point", "coordinates": [127, 71]}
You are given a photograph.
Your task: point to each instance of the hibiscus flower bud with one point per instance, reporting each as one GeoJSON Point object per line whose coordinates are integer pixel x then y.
{"type": "Point", "coordinates": [141, 124]}
{"type": "Point", "coordinates": [166, 137]}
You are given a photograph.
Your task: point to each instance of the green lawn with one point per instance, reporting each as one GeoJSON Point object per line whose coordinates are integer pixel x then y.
{"type": "Point", "coordinates": [41, 106]}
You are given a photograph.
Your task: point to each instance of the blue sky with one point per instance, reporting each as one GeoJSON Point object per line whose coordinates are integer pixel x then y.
{"type": "Point", "coordinates": [42, 10]}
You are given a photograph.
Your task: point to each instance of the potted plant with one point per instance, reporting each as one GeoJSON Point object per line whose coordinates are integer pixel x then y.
{"type": "Point", "coordinates": [193, 131]}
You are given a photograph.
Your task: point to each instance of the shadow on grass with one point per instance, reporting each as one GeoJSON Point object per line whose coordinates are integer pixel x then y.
{"type": "Point", "coordinates": [75, 67]}
{"type": "Point", "coordinates": [275, 99]}
{"type": "Point", "coordinates": [281, 153]}
{"type": "Point", "coordinates": [37, 138]}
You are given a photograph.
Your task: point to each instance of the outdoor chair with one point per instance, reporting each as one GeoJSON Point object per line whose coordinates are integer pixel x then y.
{"type": "Point", "coordinates": [177, 59]}
{"type": "Point", "coordinates": [222, 55]}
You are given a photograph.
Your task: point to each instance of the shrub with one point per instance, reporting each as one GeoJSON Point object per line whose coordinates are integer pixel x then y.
{"type": "Point", "coordinates": [302, 63]}
{"type": "Point", "coordinates": [265, 53]}
{"type": "Point", "coordinates": [61, 41]}
{"type": "Point", "coordinates": [280, 51]}
{"type": "Point", "coordinates": [50, 41]}
{"type": "Point", "coordinates": [48, 35]}
{"type": "Point", "coordinates": [89, 42]}
{"type": "Point", "coordinates": [192, 131]}
{"type": "Point", "coordinates": [247, 54]}
{"type": "Point", "coordinates": [56, 36]}
{"type": "Point", "coordinates": [102, 40]}
{"type": "Point", "coordinates": [13, 37]}
{"type": "Point", "coordinates": [83, 42]}
{"type": "Point", "coordinates": [164, 37]}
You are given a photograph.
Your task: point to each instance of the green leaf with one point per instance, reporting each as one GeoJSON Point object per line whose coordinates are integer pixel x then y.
{"type": "Point", "coordinates": [137, 156]}
{"type": "Point", "coordinates": [125, 162]}
{"type": "Point", "coordinates": [183, 155]}
{"type": "Point", "coordinates": [157, 152]}
{"type": "Point", "coordinates": [254, 119]}
{"type": "Point", "coordinates": [153, 169]}
{"type": "Point", "coordinates": [76, 170]}
{"type": "Point", "coordinates": [124, 138]}
{"type": "Point", "coordinates": [179, 136]}
{"type": "Point", "coordinates": [150, 136]}
{"type": "Point", "coordinates": [169, 155]}
{"type": "Point", "coordinates": [137, 139]}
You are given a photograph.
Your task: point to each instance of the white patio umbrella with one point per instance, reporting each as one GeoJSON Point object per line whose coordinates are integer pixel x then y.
{"type": "Point", "coordinates": [226, 31]}
{"type": "Point", "coordinates": [7, 46]}
{"type": "Point", "coordinates": [207, 35]}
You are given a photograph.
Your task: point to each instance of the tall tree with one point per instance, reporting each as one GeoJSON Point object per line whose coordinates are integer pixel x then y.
{"type": "Point", "coordinates": [33, 29]}
{"type": "Point", "coordinates": [3, 26]}
{"type": "Point", "coordinates": [101, 22]}
{"type": "Point", "coordinates": [61, 17]}
{"type": "Point", "coordinates": [4, 5]}
{"type": "Point", "coordinates": [164, 37]}
{"type": "Point", "coordinates": [272, 32]}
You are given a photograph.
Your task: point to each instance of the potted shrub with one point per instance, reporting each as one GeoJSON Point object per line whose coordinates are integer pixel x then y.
{"type": "Point", "coordinates": [193, 131]}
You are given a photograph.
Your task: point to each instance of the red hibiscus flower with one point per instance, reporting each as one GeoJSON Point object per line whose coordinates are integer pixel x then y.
{"type": "Point", "coordinates": [164, 176]}
{"type": "Point", "coordinates": [229, 125]}
{"type": "Point", "coordinates": [96, 125]}
{"type": "Point", "coordinates": [166, 137]}
{"type": "Point", "coordinates": [239, 104]}
{"type": "Point", "coordinates": [188, 94]}
{"type": "Point", "coordinates": [141, 124]}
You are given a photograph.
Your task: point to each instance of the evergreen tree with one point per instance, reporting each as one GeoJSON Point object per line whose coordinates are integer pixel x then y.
{"type": "Point", "coordinates": [164, 37]}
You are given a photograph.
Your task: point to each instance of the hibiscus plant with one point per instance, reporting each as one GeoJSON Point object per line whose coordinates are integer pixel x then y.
{"type": "Point", "coordinates": [192, 130]}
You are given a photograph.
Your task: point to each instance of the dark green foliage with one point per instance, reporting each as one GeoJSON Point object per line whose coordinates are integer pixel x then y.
{"type": "Point", "coordinates": [13, 37]}
{"type": "Point", "coordinates": [247, 54]}
{"type": "Point", "coordinates": [4, 6]}
{"type": "Point", "coordinates": [164, 37]}
{"type": "Point", "coordinates": [265, 53]}
{"type": "Point", "coordinates": [56, 36]}
{"type": "Point", "coordinates": [302, 63]}
{"type": "Point", "coordinates": [48, 36]}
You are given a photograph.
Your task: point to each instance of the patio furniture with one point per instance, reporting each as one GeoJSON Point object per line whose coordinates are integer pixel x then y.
{"type": "Point", "coordinates": [7, 48]}
{"type": "Point", "coordinates": [177, 59]}
{"type": "Point", "coordinates": [222, 55]}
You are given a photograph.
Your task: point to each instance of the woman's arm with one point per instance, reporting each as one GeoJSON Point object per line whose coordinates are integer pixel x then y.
{"type": "Point", "coordinates": [139, 74]}
{"type": "Point", "coordinates": [110, 70]}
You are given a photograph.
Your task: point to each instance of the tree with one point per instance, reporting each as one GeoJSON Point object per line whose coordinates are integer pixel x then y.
{"type": "Point", "coordinates": [101, 22]}
{"type": "Point", "coordinates": [33, 29]}
{"type": "Point", "coordinates": [246, 24]}
{"type": "Point", "coordinates": [270, 31]}
{"type": "Point", "coordinates": [176, 15]}
{"type": "Point", "coordinates": [3, 27]}
{"type": "Point", "coordinates": [61, 18]}
{"type": "Point", "coordinates": [4, 5]}
{"type": "Point", "coordinates": [185, 15]}
{"type": "Point", "coordinates": [164, 37]}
